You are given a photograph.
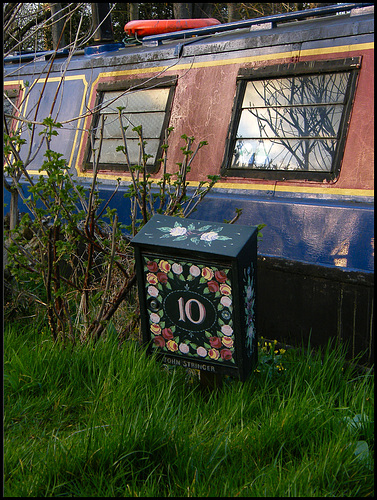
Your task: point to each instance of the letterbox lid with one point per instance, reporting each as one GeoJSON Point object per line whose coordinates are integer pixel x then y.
{"type": "Point", "coordinates": [190, 234]}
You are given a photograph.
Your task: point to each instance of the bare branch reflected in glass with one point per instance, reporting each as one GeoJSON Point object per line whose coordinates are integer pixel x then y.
{"type": "Point", "coordinates": [291, 123]}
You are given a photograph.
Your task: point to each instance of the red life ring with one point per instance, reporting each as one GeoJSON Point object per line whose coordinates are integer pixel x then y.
{"type": "Point", "coordinates": [156, 26]}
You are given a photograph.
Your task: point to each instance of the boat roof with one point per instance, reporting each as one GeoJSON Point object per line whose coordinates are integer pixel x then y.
{"type": "Point", "coordinates": [342, 20]}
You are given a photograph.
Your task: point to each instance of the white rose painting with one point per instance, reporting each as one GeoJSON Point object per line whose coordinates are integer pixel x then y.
{"type": "Point", "coordinates": [195, 232]}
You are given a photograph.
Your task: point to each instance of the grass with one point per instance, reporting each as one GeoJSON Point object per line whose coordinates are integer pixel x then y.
{"type": "Point", "coordinates": [101, 421]}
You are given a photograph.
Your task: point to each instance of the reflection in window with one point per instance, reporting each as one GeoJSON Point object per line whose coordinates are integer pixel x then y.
{"type": "Point", "coordinates": [291, 123]}
{"type": "Point", "coordinates": [142, 107]}
{"type": "Point", "coordinates": [9, 105]}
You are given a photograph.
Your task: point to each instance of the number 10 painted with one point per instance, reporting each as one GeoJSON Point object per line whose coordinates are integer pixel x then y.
{"type": "Point", "coordinates": [185, 311]}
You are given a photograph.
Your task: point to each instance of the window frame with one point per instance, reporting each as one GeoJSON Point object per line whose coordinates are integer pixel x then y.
{"type": "Point", "coordinates": [141, 84]}
{"type": "Point", "coordinates": [307, 68]}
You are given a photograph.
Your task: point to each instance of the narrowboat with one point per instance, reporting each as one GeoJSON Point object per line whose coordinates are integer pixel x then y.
{"type": "Point", "coordinates": [286, 104]}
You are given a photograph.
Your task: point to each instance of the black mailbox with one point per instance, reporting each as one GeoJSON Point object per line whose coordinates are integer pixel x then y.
{"type": "Point", "coordinates": [196, 283]}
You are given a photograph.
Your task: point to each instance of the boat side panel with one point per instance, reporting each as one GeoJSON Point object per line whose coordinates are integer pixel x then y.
{"type": "Point", "coordinates": [64, 103]}
{"type": "Point", "coordinates": [326, 232]}
{"type": "Point", "coordinates": [205, 96]}
{"type": "Point", "coordinates": [202, 107]}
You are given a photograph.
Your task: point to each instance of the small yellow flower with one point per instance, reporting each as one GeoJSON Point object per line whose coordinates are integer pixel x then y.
{"type": "Point", "coordinates": [282, 351]}
{"type": "Point", "coordinates": [276, 352]}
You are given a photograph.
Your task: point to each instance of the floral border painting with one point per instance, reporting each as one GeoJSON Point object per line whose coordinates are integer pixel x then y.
{"type": "Point", "coordinates": [204, 285]}
{"type": "Point", "coordinates": [249, 298]}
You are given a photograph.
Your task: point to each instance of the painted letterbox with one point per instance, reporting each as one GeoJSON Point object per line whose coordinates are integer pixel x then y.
{"type": "Point", "coordinates": [196, 283]}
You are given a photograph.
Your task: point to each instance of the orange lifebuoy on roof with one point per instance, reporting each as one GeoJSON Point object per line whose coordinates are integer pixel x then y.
{"type": "Point", "coordinates": [156, 26]}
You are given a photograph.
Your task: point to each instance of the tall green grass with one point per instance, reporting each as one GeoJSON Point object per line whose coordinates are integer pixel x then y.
{"type": "Point", "coordinates": [102, 421]}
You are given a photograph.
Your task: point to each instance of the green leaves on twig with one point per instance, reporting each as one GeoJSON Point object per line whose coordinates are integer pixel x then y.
{"type": "Point", "coordinates": [168, 195]}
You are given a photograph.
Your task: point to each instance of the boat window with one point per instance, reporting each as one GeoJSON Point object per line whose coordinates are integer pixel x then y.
{"type": "Point", "coordinates": [9, 102]}
{"type": "Point", "coordinates": [148, 106]}
{"type": "Point", "coordinates": [291, 126]}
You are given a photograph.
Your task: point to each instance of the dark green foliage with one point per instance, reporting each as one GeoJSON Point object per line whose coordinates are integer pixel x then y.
{"type": "Point", "coordinates": [62, 252]}
{"type": "Point", "coordinates": [72, 255]}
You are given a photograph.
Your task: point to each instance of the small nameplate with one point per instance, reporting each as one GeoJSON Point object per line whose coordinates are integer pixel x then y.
{"type": "Point", "coordinates": [194, 365]}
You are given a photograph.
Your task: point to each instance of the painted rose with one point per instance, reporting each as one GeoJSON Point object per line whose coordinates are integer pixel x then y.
{"type": "Point", "coordinates": [210, 236]}
{"type": "Point", "coordinates": [162, 277]}
{"type": "Point", "coordinates": [172, 345]}
{"type": "Point", "coordinates": [227, 342]}
{"type": "Point", "coordinates": [226, 301]}
{"type": "Point", "coordinates": [152, 291]}
{"type": "Point", "coordinates": [155, 318]}
{"type": "Point", "coordinates": [164, 266]}
{"type": "Point", "coordinates": [207, 273]}
{"type": "Point", "coordinates": [178, 231]}
{"type": "Point", "coordinates": [155, 329]}
{"type": "Point", "coordinates": [152, 266]}
{"type": "Point", "coordinates": [225, 289]}
{"type": "Point", "coordinates": [213, 286]}
{"type": "Point", "coordinates": [220, 276]}
{"type": "Point", "coordinates": [214, 354]}
{"type": "Point", "coordinates": [226, 354]}
{"type": "Point", "coordinates": [159, 341]}
{"type": "Point", "coordinates": [177, 268]}
{"type": "Point", "coordinates": [215, 342]}
{"type": "Point", "coordinates": [167, 333]}
{"type": "Point", "coordinates": [227, 330]}
{"type": "Point", "coordinates": [194, 271]}
{"type": "Point", "coordinates": [184, 348]}
{"type": "Point", "coordinates": [201, 351]}
{"type": "Point", "coordinates": [152, 279]}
